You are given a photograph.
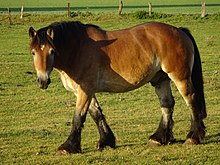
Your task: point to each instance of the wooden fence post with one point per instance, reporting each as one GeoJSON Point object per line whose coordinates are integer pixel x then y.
{"type": "Point", "coordinates": [150, 9]}
{"type": "Point", "coordinates": [203, 9]}
{"type": "Point", "coordinates": [22, 11]}
{"type": "Point", "coordinates": [68, 14]}
{"type": "Point", "coordinates": [9, 16]}
{"type": "Point", "coordinates": [120, 7]}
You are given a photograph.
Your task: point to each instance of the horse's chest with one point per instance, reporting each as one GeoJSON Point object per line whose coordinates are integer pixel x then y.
{"type": "Point", "coordinates": [68, 83]}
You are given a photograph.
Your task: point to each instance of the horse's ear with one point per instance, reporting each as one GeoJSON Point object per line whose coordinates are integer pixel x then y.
{"type": "Point", "coordinates": [32, 32]}
{"type": "Point", "coordinates": [50, 33]}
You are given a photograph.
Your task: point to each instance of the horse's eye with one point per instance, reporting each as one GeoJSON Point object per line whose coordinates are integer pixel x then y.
{"type": "Point", "coordinates": [33, 52]}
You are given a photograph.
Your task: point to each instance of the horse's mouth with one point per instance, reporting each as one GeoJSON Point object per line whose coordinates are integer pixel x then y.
{"type": "Point", "coordinates": [43, 84]}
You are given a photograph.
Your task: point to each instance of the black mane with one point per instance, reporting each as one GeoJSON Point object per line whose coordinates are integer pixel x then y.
{"type": "Point", "coordinates": [76, 28]}
{"type": "Point", "coordinates": [62, 32]}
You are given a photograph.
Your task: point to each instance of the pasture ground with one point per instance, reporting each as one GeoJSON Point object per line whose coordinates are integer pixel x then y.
{"type": "Point", "coordinates": [35, 122]}
{"type": "Point", "coordinates": [164, 6]}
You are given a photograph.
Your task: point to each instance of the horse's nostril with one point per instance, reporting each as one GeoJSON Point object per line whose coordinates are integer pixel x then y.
{"type": "Point", "coordinates": [43, 84]}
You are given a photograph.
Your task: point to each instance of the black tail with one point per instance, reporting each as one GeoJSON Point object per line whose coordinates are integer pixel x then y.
{"type": "Point", "coordinates": [197, 78]}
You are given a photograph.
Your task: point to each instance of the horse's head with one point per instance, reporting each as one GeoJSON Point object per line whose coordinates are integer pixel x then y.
{"type": "Point", "coordinates": [43, 51]}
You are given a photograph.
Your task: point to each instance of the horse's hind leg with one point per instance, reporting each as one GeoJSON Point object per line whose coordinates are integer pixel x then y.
{"type": "Point", "coordinates": [164, 134]}
{"type": "Point", "coordinates": [107, 137]}
{"type": "Point", "coordinates": [197, 130]}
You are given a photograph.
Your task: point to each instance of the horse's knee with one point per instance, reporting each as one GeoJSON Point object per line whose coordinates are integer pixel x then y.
{"type": "Point", "coordinates": [167, 102]}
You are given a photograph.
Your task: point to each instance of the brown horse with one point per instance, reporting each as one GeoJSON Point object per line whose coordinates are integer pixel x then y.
{"type": "Point", "coordinates": [92, 60]}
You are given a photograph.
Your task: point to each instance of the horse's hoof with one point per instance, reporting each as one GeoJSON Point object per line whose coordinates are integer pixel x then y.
{"type": "Point", "coordinates": [66, 149]}
{"type": "Point", "coordinates": [101, 146]}
{"type": "Point", "coordinates": [62, 152]}
{"type": "Point", "coordinates": [106, 142]}
{"type": "Point", "coordinates": [153, 143]}
{"type": "Point", "coordinates": [191, 141]}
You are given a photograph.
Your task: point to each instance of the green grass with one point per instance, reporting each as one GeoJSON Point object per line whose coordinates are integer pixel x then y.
{"type": "Point", "coordinates": [34, 122]}
{"type": "Point", "coordinates": [165, 6]}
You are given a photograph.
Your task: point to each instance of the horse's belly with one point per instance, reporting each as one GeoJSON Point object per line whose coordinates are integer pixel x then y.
{"type": "Point", "coordinates": [129, 76]}
{"type": "Point", "coordinates": [117, 83]}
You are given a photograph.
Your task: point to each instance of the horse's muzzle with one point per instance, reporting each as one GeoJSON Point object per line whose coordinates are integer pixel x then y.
{"type": "Point", "coordinates": [43, 84]}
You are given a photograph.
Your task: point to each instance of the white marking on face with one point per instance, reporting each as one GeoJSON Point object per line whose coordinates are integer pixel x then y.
{"type": "Point", "coordinates": [42, 75]}
{"type": "Point", "coordinates": [33, 52]}
{"type": "Point", "coordinates": [42, 47]}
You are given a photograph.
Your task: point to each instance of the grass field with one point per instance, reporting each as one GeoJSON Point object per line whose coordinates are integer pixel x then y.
{"type": "Point", "coordinates": [34, 122]}
{"type": "Point", "coordinates": [167, 6]}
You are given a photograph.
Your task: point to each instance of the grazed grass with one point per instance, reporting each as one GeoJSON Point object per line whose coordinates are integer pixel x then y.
{"type": "Point", "coordinates": [164, 6]}
{"type": "Point", "coordinates": [34, 122]}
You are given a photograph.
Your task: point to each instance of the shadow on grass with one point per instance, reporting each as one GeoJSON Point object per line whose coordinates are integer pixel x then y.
{"type": "Point", "coordinates": [213, 138]}
{"type": "Point", "coordinates": [209, 139]}
{"type": "Point", "coordinates": [48, 9]}
{"type": "Point", "coordinates": [130, 145]}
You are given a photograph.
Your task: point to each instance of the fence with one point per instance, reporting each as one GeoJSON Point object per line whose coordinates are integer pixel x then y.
{"type": "Point", "coordinates": [150, 7]}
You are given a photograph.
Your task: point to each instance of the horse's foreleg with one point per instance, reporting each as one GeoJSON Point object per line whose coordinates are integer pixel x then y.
{"type": "Point", "coordinates": [107, 137]}
{"type": "Point", "coordinates": [164, 134]}
{"type": "Point", "coordinates": [73, 143]}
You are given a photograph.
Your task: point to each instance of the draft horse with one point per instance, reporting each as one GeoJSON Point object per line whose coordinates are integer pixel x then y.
{"type": "Point", "coordinates": [91, 60]}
